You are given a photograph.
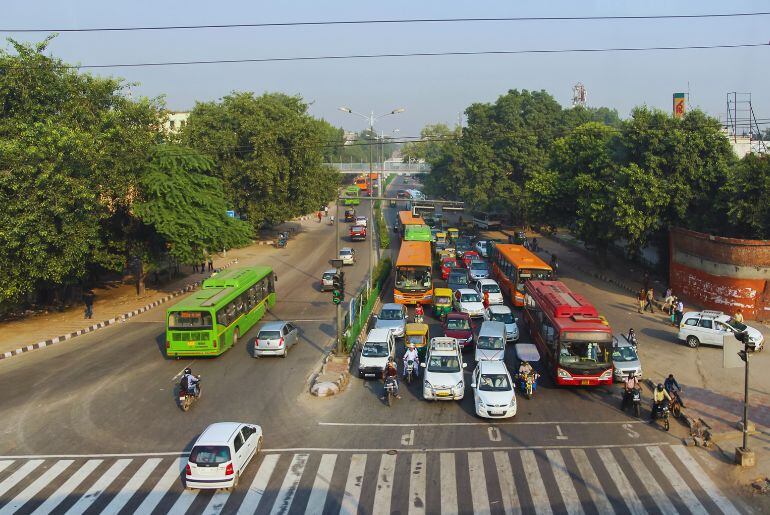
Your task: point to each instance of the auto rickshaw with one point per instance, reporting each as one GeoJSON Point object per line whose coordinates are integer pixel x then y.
{"type": "Point", "coordinates": [447, 252]}
{"type": "Point", "coordinates": [418, 335]}
{"type": "Point", "coordinates": [442, 302]}
{"type": "Point", "coordinates": [441, 240]}
{"type": "Point", "coordinates": [453, 233]}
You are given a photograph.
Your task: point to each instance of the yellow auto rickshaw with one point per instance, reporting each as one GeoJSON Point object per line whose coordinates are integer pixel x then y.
{"type": "Point", "coordinates": [441, 240]}
{"type": "Point", "coordinates": [442, 302]}
{"type": "Point", "coordinates": [453, 234]}
{"type": "Point", "coordinates": [447, 252]}
{"type": "Point", "coordinates": [418, 335]}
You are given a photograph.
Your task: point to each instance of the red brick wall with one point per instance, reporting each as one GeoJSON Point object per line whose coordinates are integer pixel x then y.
{"type": "Point", "coordinates": [721, 292]}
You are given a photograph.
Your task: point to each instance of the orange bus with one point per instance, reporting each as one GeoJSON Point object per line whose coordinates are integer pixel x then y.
{"type": "Point", "coordinates": [513, 266]}
{"type": "Point", "coordinates": [414, 274]}
{"type": "Point", "coordinates": [362, 182]}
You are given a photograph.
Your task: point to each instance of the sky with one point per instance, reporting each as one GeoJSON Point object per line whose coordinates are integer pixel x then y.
{"type": "Point", "coordinates": [430, 89]}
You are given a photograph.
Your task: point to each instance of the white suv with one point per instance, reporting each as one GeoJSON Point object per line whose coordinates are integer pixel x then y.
{"type": "Point", "coordinates": [443, 379]}
{"type": "Point", "coordinates": [709, 327]}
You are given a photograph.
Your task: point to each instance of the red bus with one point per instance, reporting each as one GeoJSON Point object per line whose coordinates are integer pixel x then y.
{"type": "Point", "coordinates": [575, 344]}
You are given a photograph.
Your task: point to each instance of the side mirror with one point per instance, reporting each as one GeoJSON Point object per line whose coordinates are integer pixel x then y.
{"type": "Point", "coordinates": [375, 317]}
{"type": "Point", "coordinates": [423, 365]}
{"type": "Point", "coordinates": [465, 365]}
{"type": "Point", "coordinates": [473, 385]}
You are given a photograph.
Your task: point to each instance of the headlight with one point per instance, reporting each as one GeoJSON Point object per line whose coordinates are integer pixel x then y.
{"type": "Point", "coordinates": [460, 385]}
{"type": "Point", "coordinates": [427, 385]}
{"type": "Point", "coordinates": [564, 374]}
{"type": "Point", "coordinates": [606, 375]}
{"type": "Point", "coordinates": [513, 402]}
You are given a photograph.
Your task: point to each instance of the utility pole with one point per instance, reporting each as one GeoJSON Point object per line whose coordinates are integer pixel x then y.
{"type": "Point", "coordinates": [743, 455]}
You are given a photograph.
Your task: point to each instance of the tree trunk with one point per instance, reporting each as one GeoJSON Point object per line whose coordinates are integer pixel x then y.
{"type": "Point", "coordinates": [140, 277]}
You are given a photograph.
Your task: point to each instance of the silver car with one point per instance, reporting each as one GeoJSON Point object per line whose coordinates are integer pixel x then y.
{"type": "Point", "coordinates": [504, 314]}
{"type": "Point", "coordinates": [392, 316]}
{"type": "Point", "coordinates": [625, 360]}
{"type": "Point", "coordinates": [275, 338]}
{"type": "Point", "coordinates": [327, 280]}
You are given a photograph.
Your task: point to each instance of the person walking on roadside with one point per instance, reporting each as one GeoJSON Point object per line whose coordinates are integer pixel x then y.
{"type": "Point", "coordinates": [650, 297]}
{"type": "Point", "coordinates": [195, 267]}
{"type": "Point", "coordinates": [319, 217]}
{"type": "Point", "coordinates": [668, 302]}
{"type": "Point", "coordinates": [203, 267]}
{"type": "Point", "coordinates": [641, 297]}
{"type": "Point", "coordinates": [554, 264]}
{"type": "Point", "coordinates": [88, 300]}
{"type": "Point", "coordinates": [738, 316]}
{"type": "Point", "coordinates": [679, 312]}
{"type": "Point", "coordinates": [326, 211]}
{"type": "Point", "coordinates": [211, 265]}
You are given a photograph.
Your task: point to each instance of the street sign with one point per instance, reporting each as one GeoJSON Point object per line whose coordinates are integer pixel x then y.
{"type": "Point", "coordinates": [731, 348]}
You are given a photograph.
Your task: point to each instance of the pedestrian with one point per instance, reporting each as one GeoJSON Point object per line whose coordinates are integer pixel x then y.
{"type": "Point", "coordinates": [195, 267]}
{"type": "Point", "coordinates": [641, 297]}
{"type": "Point", "coordinates": [672, 310]}
{"type": "Point", "coordinates": [211, 265]}
{"type": "Point", "coordinates": [738, 316]}
{"type": "Point", "coordinates": [650, 296]}
{"type": "Point", "coordinates": [326, 211]}
{"type": "Point", "coordinates": [554, 264]}
{"type": "Point", "coordinates": [679, 312]}
{"type": "Point", "coordinates": [203, 267]}
{"type": "Point", "coordinates": [668, 301]}
{"type": "Point", "coordinates": [319, 217]}
{"type": "Point", "coordinates": [88, 300]}
{"type": "Point", "coordinates": [486, 300]}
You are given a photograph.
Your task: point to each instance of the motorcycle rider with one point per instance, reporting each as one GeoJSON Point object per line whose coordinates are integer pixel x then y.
{"type": "Point", "coordinates": [390, 371]}
{"type": "Point", "coordinates": [673, 388]}
{"type": "Point", "coordinates": [419, 312]}
{"type": "Point", "coordinates": [629, 385]}
{"type": "Point", "coordinates": [411, 353]}
{"type": "Point", "coordinates": [525, 369]}
{"type": "Point", "coordinates": [659, 397]}
{"type": "Point", "coordinates": [189, 382]}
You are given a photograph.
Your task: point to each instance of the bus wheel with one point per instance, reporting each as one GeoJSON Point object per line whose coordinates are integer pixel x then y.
{"type": "Point", "coordinates": [236, 334]}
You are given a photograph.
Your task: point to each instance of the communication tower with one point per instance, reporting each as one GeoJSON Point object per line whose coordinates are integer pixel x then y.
{"type": "Point", "coordinates": [742, 122]}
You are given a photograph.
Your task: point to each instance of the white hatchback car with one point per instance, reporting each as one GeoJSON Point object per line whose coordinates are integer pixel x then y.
{"type": "Point", "coordinates": [491, 287]}
{"type": "Point", "coordinates": [469, 301]}
{"type": "Point", "coordinates": [275, 338]}
{"type": "Point", "coordinates": [221, 453]}
{"type": "Point", "coordinates": [481, 248]}
{"type": "Point", "coordinates": [348, 256]}
{"type": "Point", "coordinates": [710, 327]}
{"type": "Point", "coordinates": [504, 314]}
{"type": "Point", "coordinates": [493, 393]}
{"type": "Point", "coordinates": [443, 366]}
{"type": "Point", "coordinates": [360, 220]}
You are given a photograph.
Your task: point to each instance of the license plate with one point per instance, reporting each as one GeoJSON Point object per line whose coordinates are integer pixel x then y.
{"type": "Point", "coordinates": [585, 381]}
{"type": "Point", "coordinates": [443, 394]}
{"type": "Point", "coordinates": [190, 344]}
{"type": "Point", "coordinates": [369, 375]}
{"type": "Point", "coordinates": [496, 412]}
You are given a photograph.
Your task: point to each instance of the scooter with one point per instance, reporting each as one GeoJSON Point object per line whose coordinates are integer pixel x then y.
{"type": "Point", "coordinates": [187, 396]}
{"type": "Point", "coordinates": [282, 240]}
{"type": "Point", "coordinates": [528, 383]}
{"type": "Point", "coordinates": [390, 390]}
{"type": "Point", "coordinates": [661, 413]}
{"type": "Point", "coordinates": [633, 398]}
{"type": "Point", "coordinates": [409, 370]}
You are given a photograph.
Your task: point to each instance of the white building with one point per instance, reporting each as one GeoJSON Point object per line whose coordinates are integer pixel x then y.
{"type": "Point", "coordinates": [174, 121]}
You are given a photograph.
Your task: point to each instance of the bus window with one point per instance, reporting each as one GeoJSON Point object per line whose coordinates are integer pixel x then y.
{"type": "Point", "coordinates": [190, 320]}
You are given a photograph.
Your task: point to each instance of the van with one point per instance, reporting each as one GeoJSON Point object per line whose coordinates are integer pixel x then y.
{"type": "Point", "coordinates": [379, 347]}
{"type": "Point", "coordinates": [490, 343]}
{"type": "Point", "coordinates": [484, 220]}
{"type": "Point", "coordinates": [220, 455]}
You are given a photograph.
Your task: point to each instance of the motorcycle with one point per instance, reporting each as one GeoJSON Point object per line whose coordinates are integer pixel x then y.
{"type": "Point", "coordinates": [660, 412]}
{"type": "Point", "coordinates": [282, 240]}
{"type": "Point", "coordinates": [390, 389]}
{"type": "Point", "coordinates": [187, 396]}
{"type": "Point", "coordinates": [528, 383]}
{"type": "Point", "coordinates": [634, 399]}
{"type": "Point", "coordinates": [409, 370]}
{"type": "Point", "coordinates": [676, 403]}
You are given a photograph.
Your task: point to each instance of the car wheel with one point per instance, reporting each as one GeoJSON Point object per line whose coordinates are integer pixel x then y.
{"type": "Point", "coordinates": [259, 445]}
{"type": "Point", "coordinates": [285, 352]}
{"type": "Point", "coordinates": [692, 341]}
{"type": "Point", "coordinates": [236, 480]}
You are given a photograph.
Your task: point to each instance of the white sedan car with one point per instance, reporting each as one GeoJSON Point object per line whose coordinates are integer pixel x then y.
{"type": "Point", "coordinates": [220, 455]}
{"type": "Point", "coordinates": [490, 287]}
{"type": "Point", "coordinates": [469, 301]}
{"type": "Point", "coordinates": [360, 220]}
{"type": "Point", "coordinates": [493, 393]}
{"type": "Point", "coordinates": [348, 256]}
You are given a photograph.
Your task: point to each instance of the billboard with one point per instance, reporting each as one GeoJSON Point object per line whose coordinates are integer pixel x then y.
{"type": "Point", "coordinates": [679, 105]}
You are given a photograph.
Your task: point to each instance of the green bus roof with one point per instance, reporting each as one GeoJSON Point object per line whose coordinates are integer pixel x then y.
{"type": "Point", "coordinates": [221, 288]}
{"type": "Point", "coordinates": [417, 233]}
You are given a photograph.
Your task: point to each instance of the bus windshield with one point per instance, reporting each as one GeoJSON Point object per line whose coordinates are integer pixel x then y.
{"type": "Point", "coordinates": [180, 320]}
{"type": "Point", "coordinates": [585, 355]}
{"type": "Point", "coordinates": [533, 275]}
{"type": "Point", "coordinates": [413, 278]}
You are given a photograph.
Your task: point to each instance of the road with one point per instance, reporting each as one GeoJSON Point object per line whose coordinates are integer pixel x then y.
{"type": "Point", "coordinates": [92, 426]}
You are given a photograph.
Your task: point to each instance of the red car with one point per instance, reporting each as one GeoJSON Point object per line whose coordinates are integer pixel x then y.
{"type": "Point", "coordinates": [460, 327]}
{"type": "Point", "coordinates": [447, 264]}
{"type": "Point", "coordinates": [357, 233]}
{"type": "Point", "coordinates": [470, 256]}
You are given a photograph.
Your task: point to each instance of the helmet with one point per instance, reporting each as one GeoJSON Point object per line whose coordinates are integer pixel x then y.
{"type": "Point", "coordinates": [524, 363]}
{"type": "Point", "coordinates": [631, 331]}
{"type": "Point", "coordinates": [188, 370]}
{"type": "Point", "coordinates": [660, 387]}
{"type": "Point", "coordinates": [411, 345]}
{"type": "Point", "coordinates": [671, 376]}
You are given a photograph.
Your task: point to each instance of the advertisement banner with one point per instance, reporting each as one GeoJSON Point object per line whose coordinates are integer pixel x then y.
{"type": "Point", "coordinates": [679, 105]}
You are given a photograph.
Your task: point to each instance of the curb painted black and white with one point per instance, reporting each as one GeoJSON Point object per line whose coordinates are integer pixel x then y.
{"type": "Point", "coordinates": [106, 323]}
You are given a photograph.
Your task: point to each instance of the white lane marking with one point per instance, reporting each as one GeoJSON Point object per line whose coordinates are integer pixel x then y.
{"type": "Point", "coordinates": [540, 501]}
{"type": "Point", "coordinates": [290, 484]}
{"type": "Point", "coordinates": [121, 455]}
{"type": "Point", "coordinates": [258, 485]}
{"type": "Point", "coordinates": [441, 424]}
{"type": "Point", "coordinates": [510, 496]}
{"type": "Point", "coordinates": [448, 482]}
{"type": "Point", "coordinates": [704, 480]}
{"type": "Point", "coordinates": [676, 480]}
{"type": "Point", "coordinates": [133, 485]}
{"type": "Point", "coordinates": [323, 478]}
{"type": "Point", "coordinates": [594, 487]}
{"type": "Point", "coordinates": [164, 484]}
{"type": "Point", "coordinates": [419, 463]}
{"type": "Point", "coordinates": [17, 476]}
{"type": "Point", "coordinates": [217, 502]}
{"type": "Point", "coordinates": [98, 487]}
{"type": "Point", "coordinates": [561, 435]}
{"type": "Point", "coordinates": [650, 483]}
{"type": "Point", "coordinates": [384, 491]}
{"type": "Point", "coordinates": [4, 464]}
{"type": "Point", "coordinates": [564, 482]}
{"type": "Point", "coordinates": [349, 504]}
{"type": "Point", "coordinates": [183, 502]}
{"type": "Point", "coordinates": [478, 483]}
{"type": "Point", "coordinates": [627, 492]}
{"type": "Point", "coordinates": [67, 488]}
{"type": "Point", "coordinates": [38, 484]}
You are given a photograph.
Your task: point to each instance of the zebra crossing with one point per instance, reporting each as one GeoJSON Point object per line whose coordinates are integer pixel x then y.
{"type": "Point", "coordinates": [629, 479]}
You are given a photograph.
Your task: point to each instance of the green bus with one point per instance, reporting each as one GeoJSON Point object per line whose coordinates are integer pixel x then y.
{"type": "Point", "coordinates": [212, 319]}
{"type": "Point", "coordinates": [417, 233]}
{"type": "Point", "coordinates": [352, 193]}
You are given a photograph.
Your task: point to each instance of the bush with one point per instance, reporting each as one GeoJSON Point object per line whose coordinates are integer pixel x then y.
{"type": "Point", "coordinates": [382, 228]}
{"type": "Point", "coordinates": [381, 273]}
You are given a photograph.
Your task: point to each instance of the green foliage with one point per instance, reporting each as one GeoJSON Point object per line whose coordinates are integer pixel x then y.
{"type": "Point", "coordinates": [186, 206]}
{"type": "Point", "coordinates": [434, 140]}
{"type": "Point", "coordinates": [382, 228]}
{"type": "Point", "coordinates": [745, 198]}
{"type": "Point", "coordinates": [269, 153]}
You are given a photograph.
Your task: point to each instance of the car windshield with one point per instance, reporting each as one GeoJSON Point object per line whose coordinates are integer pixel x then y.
{"type": "Point", "coordinates": [357, 228]}
{"type": "Point", "coordinates": [413, 278]}
{"type": "Point", "coordinates": [450, 263]}
{"type": "Point", "coordinates": [494, 383]}
{"type": "Point", "coordinates": [458, 324]}
{"type": "Point", "coordinates": [344, 252]}
{"type": "Point", "coordinates": [269, 335]}
{"type": "Point", "coordinates": [329, 275]}
{"type": "Point", "coordinates": [470, 297]}
{"type": "Point", "coordinates": [624, 354]}
{"type": "Point", "coordinates": [491, 288]}
{"type": "Point", "coordinates": [490, 343]}
{"type": "Point", "coordinates": [210, 454]}
{"type": "Point", "coordinates": [442, 300]}
{"type": "Point", "coordinates": [506, 318]}
{"type": "Point", "coordinates": [585, 355]}
{"type": "Point", "coordinates": [478, 265]}
{"type": "Point", "coordinates": [446, 364]}
{"type": "Point", "coordinates": [374, 350]}
{"type": "Point", "coordinates": [391, 314]}
{"type": "Point", "coordinates": [458, 278]}
{"type": "Point", "coordinates": [737, 325]}
{"type": "Point", "coordinates": [189, 320]}
{"type": "Point", "coordinates": [416, 339]}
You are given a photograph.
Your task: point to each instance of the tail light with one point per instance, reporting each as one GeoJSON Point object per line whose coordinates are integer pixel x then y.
{"type": "Point", "coordinates": [215, 343]}
{"type": "Point", "coordinates": [168, 344]}
{"type": "Point", "coordinates": [229, 470]}
{"type": "Point", "coordinates": [280, 342]}
{"type": "Point", "coordinates": [187, 470]}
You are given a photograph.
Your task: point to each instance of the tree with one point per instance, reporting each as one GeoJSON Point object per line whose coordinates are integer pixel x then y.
{"type": "Point", "coordinates": [433, 142]}
{"type": "Point", "coordinates": [745, 198]}
{"type": "Point", "coordinates": [268, 151]}
{"type": "Point", "coordinates": [72, 147]}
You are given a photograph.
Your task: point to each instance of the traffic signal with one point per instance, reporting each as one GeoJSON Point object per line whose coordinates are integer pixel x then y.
{"type": "Point", "coordinates": [338, 285]}
{"type": "Point", "coordinates": [743, 337]}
